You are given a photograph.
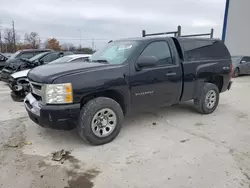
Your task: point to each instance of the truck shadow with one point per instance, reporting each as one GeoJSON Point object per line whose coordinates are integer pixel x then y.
{"type": "Point", "coordinates": [70, 139]}
{"type": "Point", "coordinates": [180, 109]}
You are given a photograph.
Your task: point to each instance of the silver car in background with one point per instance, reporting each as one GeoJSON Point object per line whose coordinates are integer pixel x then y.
{"type": "Point", "coordinates": [72, 58]}
{"type": "Point", "coordinates": [241, 65]}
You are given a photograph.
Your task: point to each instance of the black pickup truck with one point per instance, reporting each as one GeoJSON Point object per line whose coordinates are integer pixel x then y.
{"type": "Point", "coordinates": [128, 76]}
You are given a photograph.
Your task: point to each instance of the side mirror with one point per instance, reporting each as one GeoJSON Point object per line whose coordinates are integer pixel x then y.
{"type": "Point", "coordinates": [41, 62]}
{"type": "Point", "coordinates": [146, 61]}
{"type": "Point", "coordinates": [36, 63]}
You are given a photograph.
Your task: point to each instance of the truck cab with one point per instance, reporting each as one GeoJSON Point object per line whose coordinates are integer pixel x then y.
{"type": "Point", "coordinates": [128, 76]}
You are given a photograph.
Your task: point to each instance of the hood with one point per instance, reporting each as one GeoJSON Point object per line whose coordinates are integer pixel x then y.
{"type": "Point", "coordinates": [15, 63]}
{"type": "Point", "coordinates": [48, 73]}
{"type": "Point", "coordinates": [20, 74]}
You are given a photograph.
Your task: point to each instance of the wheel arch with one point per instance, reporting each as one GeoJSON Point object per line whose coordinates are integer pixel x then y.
{"type": "Point", "coordinates": [113, 94]}
{"type": "Point", "coordinates": [218, 80]}
{"type": "Point", "coordinates": [238, 69]}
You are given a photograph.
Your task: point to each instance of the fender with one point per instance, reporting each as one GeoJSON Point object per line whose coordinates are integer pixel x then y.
{"type": "Point", "coordinates": [203, 72]}
{"type": "Point", "coordinates": [121, 95]}
{"type": "Point", "coordinates": [20, 74]}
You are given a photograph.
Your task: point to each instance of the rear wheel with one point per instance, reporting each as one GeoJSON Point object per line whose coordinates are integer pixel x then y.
{"type": "Point", "coordinates": [100, 121]}
{"type": "Point", "coordinates": [236, 72]}
{"type": "Point", "coordinates": [208, 99]}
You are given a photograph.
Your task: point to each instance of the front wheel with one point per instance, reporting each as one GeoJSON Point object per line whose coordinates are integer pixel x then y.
{"type": "Point", "coordinates": [100, 121]}
{"type": "Point", "coordinates": [208, 99]}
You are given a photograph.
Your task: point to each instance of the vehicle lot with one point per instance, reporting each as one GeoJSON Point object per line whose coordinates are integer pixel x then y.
{"type": "Point", "coordinates": [168, 147]}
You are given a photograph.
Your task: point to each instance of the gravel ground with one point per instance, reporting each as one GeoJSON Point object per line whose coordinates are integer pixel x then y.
{"type": "Point", "coordinates": [169, 147]}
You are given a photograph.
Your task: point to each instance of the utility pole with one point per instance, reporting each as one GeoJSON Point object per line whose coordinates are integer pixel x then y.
{"type": "Point", "coordinates": [80, 38]}
{"type": "Point", "coordinates": [93, 44]}
{"type": "Point", "coordinates": [14, 36]}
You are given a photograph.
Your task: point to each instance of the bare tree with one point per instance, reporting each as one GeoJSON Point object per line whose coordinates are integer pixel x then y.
{"type": "Point", "coordinates": [9, 38]}
{"type": "Point", "coordinates": [32, 39]}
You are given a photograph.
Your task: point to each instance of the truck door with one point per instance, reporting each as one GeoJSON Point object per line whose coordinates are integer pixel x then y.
{"type": "Point", "coordinates": [159, 85]}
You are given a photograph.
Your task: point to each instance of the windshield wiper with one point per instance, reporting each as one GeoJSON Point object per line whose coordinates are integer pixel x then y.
{"type": "Point", "coordinates": [101, 61]}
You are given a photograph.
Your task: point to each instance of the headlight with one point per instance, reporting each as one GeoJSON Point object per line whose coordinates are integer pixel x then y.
{"type": "Point", "coordinates": [57, 93]}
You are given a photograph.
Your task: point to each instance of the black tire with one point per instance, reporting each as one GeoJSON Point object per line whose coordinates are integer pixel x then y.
{"type": "Point", "coordinates": [15, 93]}
{"type": "Point", "coordinates": [86, 115]}
{"type": "Point", "coordinates": [200, 102]}
{"type": "Point", "coordinates": [18, 93]}
{"type": "Point", "coordinates": [236, 73]}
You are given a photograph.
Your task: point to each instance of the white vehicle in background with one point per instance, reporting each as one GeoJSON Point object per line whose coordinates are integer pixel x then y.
{"type": "Point", "coordinates": [72, 58]}
{"type": "Point", "coordinates": [19, 83]}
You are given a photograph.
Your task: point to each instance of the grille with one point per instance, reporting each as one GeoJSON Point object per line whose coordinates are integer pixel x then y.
{"type": "Point", "coordinates": [38, 98]}
{"type": "Point", "coordinates": [36, 89]}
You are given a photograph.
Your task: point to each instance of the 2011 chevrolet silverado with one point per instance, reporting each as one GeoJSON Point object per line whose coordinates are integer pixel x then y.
{"type": "Point", "coordinates": [128, 76]}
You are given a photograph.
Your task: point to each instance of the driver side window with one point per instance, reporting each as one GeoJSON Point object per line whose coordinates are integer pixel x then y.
{"type": "Point", "coordinates": [161, 51]}
{"type": "Point", "coordinates": [245, 60]}
{"type": "Point", "coordinates": [50, 57]}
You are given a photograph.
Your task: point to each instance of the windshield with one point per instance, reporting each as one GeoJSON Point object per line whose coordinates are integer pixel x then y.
{"type": "Point", "coordinates": [236, 59]}
{"type": "Point", "coordinates": [38, 56]}
{"type": "Point", "coordinates": [61, 60]}
{"type": "Point", "coordinates": [115, 52]}
{"type": "Point", "coordinates": [13, 56]}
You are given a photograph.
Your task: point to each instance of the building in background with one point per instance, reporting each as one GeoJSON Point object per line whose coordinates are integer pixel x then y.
{"type": "Point", "coordinates": [236, 28]}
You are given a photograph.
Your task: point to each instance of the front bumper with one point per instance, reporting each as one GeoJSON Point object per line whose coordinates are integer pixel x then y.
{"type": "Point", "coordinates": [5, 76]}
{"type": "Point", "coordinates": [229, 85]}
{"type": "Point", "coordinates": [52, 116]}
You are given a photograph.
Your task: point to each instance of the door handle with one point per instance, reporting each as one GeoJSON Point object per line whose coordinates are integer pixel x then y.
{"type": "Point", "coordinates": [171, 74]}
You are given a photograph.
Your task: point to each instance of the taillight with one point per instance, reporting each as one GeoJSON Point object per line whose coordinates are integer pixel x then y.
{"type": "Point", "coordinates": [231, 71]}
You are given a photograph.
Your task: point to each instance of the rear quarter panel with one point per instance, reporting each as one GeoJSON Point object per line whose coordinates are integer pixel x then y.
{"type": "Point", "coordinates": [198, 72]}
{"type": "Point", "coordinates": [203, 61]}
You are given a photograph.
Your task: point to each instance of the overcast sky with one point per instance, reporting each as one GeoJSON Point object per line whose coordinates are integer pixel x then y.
{"type": "Point", "coordinates": [104, 20]}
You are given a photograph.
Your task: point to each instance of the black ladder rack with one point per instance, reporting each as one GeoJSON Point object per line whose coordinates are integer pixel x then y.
{"type": "Point", "coordinates": [178, 33]}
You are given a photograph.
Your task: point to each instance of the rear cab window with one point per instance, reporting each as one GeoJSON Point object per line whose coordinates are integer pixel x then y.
{"type": "Point", "coordinates": [200, 49]}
